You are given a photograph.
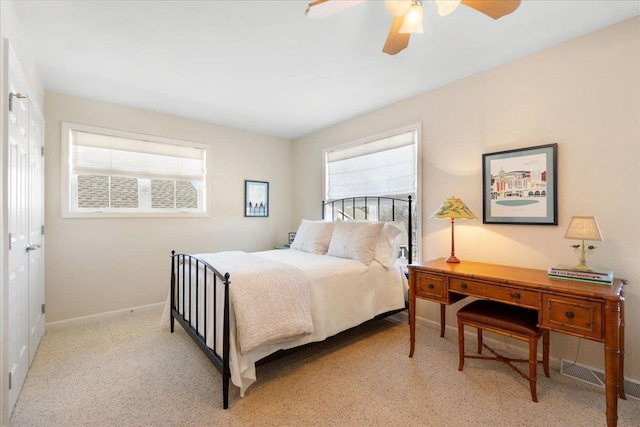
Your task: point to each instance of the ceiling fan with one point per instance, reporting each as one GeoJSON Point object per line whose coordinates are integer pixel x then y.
{"type": "Point", "coordinates": [407, 15]}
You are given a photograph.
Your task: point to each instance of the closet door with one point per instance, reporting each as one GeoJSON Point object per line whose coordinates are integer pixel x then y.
{"type": "Point", "coordinates": [25, 207]}
{"type": "Point", "coordinates": [35, 248]}
{"type": "Point", "coordinates": [18, 224]}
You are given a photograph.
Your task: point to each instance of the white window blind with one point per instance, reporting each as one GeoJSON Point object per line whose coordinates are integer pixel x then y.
{"type": "Point", "coordinates": [111, 155]}
{"type": "Point", "coordinates": [381, 167]}
{"type": "Point", "coordinates": [115, 173]}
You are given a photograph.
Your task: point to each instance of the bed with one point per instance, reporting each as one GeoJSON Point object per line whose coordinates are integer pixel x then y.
{"type": "Point", "coordinates": [340, 272]}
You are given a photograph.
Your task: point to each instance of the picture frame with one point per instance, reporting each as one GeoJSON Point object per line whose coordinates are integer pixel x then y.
{"type": "Point", "coordinates": [256, 198]}
{"type": "Point", "coordinates": [292, 237]}
{"type": "Point", "coordinates": [520, 186]}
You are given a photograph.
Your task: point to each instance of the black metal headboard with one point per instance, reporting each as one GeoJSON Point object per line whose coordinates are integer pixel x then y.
{"type": "Point", "coordinates": [374, 208]}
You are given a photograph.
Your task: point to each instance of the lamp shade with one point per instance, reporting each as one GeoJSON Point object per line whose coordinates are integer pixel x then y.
{"type": "Point", "coordinates": [398, 7]}
{"type": "Point", "coordinates": [583, 228]}
{"type": "Point", "coordinates": [445, 7]}
{"type": "Point", "coordinates": [453, 208]}
{"type": "Point", "coordinates": [412, 22]}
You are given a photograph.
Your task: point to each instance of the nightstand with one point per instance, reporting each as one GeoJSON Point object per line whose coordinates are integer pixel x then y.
{"type": "Point", "coordinates": [281, 246]}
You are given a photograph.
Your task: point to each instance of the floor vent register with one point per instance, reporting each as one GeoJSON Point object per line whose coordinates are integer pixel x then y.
{"type": "Point", "coordinates": [595, 376]}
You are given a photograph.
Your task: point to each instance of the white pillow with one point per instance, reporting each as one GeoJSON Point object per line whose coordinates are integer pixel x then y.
{"type": "Point", "coordinates": [388, 246]}
{"type": "Point", "coordinates": [313, 236]}
{"type": "Point", "coordinates": [355, 240]}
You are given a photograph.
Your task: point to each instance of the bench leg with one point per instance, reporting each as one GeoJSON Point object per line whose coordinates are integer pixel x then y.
{"type": "Point", "coordinates": [479, 341]}
{"type": "Point", "coordinates": [460, 344]}
{"type": "Point", "coordinates": [545, 353]}
{"type": "Point", "coordinates": [533, 364]}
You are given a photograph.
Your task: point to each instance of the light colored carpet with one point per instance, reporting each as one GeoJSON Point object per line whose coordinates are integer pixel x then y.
{"type": "Point", "coordinates": [131, 371]}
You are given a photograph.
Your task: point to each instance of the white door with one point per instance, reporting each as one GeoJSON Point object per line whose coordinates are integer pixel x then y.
{"type": "Point", "coordinates": [36, 247]}
{"type": "Point", "coordinates": [25, 218]}
{"type": "Point", "coordinates": [18, 190]}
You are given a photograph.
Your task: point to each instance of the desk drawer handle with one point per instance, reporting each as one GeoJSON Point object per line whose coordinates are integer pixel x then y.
{"type": "Point", "coordinates": [463, 285]}
{"type": "Point", "coordinates": [515, 295]}
{"type": "Point", "coordinates": [570, 314]}
{"type": "Point", "coordinates": [430, 286]}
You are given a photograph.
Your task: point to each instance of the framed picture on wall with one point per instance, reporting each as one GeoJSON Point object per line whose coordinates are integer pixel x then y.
{"type": "Point", "coordinates": [520, 186]}
{"type": "Point", "coordinates": [256, 198]}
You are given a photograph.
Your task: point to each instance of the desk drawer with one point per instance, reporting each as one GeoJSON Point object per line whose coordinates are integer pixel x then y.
{"type": "Point", "coordinates": [572, 315]}
{"type": "Point", "coordinates": [495, 292]}
{"type": "Point", "coordinates": [431, 287]}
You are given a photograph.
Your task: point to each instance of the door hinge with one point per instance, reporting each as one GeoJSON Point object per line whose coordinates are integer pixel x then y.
{"type": "Point", "coordinates": [42, 230]}
{"type": "Point", "coordinates": [42, 150]}
{"type": "Point", "coordinates": [43, 310]}
{"type": "Point", "coordinates": [10, 381]}
{"type": "Point", "coordinates": [9, 241]}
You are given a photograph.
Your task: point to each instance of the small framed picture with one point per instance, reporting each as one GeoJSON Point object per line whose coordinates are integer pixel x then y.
{"type": "Point", "coordinates": [292, 237]}
{"type": "Point", "coordinates": [521, 186]}
{"type": "Point", "coordinates": [256, 198]}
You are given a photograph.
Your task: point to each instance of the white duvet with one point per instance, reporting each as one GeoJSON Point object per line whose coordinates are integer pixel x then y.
{"type": "Point", "coordinates": [343, 293]}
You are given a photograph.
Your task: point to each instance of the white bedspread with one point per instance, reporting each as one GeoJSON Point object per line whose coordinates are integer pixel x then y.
{"type": "Point", "coordinates": [343, 293]}
{"type": "Point", "coordinates": [270, 299]}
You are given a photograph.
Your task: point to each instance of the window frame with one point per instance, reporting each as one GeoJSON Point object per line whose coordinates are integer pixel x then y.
{"type": "Point", "coordinates": [417, 197]}
{"type": "Point", "coordinates": [68, 193]}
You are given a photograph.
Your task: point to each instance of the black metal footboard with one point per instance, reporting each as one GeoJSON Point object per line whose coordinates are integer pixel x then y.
{"type": "Point", "coordinates": [196, 289]}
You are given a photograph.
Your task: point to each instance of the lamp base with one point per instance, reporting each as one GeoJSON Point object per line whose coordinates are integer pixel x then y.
{"type": "Point", "coordinates": [452, 259]}
{"type": "Point", "coordinates": [582, 267]}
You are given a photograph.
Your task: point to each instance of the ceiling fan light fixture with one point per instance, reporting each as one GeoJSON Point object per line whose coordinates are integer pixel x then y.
{"type": "Point", "coordinates": [398, 7]}
{"type": "Point", "coordinates": [445, 7]}
{"type": "Point", "coordinates": [412, 20]}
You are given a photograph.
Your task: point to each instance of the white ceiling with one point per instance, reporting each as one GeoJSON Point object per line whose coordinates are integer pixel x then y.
{"type": "Point", "coordinates": [263, 66]}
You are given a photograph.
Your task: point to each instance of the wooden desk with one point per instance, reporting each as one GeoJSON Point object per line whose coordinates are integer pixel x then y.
{"type": "Point", "coordinates": [585, 310]}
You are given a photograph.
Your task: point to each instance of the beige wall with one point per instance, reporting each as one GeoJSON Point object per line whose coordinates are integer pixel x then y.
{"type": "Point", "coordinates": [583, 95]}
{"type": "Point", "coordinates": [100, 265]}
{"type": "Point", "coordinates": [11, 29]}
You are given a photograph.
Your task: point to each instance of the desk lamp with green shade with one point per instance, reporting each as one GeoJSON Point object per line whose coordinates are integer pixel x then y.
{"type": "Point", "coordinates": [452, 209]}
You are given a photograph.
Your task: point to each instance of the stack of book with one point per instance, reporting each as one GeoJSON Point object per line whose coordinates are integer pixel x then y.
{"type": "Point", "coordinates": [596, 275]}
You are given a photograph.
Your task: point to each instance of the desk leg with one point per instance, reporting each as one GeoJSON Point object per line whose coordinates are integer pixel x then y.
{"type": "Point", "coordinates": [443, 310]}
{"type": "Point", "coordinates": [612, 358]}
{"type": "Point", "coordinates": [412, 314]}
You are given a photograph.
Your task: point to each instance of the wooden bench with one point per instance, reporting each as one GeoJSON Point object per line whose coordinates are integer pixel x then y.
{"type": "Point", "coordinates": [507, 320]}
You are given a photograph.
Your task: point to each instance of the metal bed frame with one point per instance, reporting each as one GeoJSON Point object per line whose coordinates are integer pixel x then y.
{"type": "Point", "coordinates": [183, 282]}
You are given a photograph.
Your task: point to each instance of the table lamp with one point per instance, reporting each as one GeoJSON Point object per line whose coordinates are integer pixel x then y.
{"type": "Point", "coordinates": [583, 228]}
{"type": "Point", "coordinates": [453, 209]}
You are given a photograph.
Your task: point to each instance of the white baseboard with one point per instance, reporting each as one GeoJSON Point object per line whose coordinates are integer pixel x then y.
{"type": "Point", "coordinates": [100, 316]}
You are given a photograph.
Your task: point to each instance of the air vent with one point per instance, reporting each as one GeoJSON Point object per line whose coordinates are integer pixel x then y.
{"type": "Point", "coordinates": [591, 375]}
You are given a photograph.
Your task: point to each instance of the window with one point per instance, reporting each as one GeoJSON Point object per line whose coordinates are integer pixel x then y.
{"type": "Point", "coordinates": [381, 165]}
{"type": "Point", "coordinates": [113, 173]}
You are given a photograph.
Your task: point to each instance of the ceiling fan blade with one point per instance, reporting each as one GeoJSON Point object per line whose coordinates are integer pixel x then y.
{"type": "Point", "coordinates": [322, 8]}
{"type": "Point", "coordinates": [396, 41]}
{"type": "Point", "coordinates": [493, 8]}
